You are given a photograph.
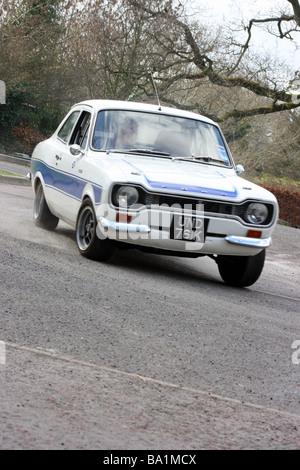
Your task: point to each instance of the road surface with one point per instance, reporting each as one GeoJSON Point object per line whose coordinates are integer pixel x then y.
{"type": "Point", "coordinates": [142, 352]}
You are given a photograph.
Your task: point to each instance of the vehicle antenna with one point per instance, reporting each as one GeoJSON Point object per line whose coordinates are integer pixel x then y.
{"type": "Point", "coordinates": [155, 89]}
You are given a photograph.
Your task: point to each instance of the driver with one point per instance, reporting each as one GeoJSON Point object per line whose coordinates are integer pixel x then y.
{"type": "Point", "coordinates": [127, 134]}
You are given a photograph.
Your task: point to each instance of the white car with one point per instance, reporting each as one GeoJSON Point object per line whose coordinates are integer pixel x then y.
{"type": "Point", "coordinates": [156, 178]}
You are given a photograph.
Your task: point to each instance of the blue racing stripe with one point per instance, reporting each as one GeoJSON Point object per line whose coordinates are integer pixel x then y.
{"type": "Point", "coordinates": [194, 189]}
{"type": "Point", "coordinates": [66, 183]}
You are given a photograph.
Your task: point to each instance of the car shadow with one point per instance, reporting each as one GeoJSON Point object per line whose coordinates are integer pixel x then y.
{"type": "Point", "coordinates": [66, 232]}
{"type": "Point", "coordinates": [201, 269]}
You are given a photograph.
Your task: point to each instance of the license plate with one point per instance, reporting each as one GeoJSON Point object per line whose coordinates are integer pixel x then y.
{"type": "Point", "coordinates": [188, 228]}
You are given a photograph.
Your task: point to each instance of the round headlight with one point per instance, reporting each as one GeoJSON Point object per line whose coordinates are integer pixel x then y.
{"type": "Point", "coordinates": [126, 196]}
{"type": "Point", "coordinates": [256, 213]}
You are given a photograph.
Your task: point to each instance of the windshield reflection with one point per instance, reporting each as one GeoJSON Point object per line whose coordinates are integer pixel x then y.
{"type": "Point", "coordinates": [162, 135]}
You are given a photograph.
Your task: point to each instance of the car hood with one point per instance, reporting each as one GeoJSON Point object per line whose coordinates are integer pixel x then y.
{"type": "Point", "coordinates": [178, 176]}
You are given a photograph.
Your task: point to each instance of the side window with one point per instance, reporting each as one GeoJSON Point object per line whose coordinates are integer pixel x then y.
{"type": "Point", "coordinates": [65, 132]}
{"type": "Point", "coordinates": [80, 133]}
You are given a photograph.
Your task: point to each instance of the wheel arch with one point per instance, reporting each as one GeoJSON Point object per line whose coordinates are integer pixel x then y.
{"type": "Point", "coordinates": [88, 193]}
{"type": "Point", "coordinates": [38, 178]}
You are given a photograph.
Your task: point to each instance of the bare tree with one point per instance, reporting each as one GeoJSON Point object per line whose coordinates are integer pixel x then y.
{"type": "Point", "coordinates": [29, 40]}
{"type": "Point", "coordinates": [101, 48]}
{"type": "Point", "coordinates": [286, 25]}
{"type": "Point", "coordinates": [111, 49]}
{"type": "Point", "coordinates": [189, 60]}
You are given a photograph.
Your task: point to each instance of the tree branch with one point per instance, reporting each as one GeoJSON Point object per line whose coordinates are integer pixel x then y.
{"type": "Point", "coordinates": [206, 70]}
{"type": "Point", "coordinates": [238, 114]}
{"type": "Point", "coordinates": [279, 20]}
{"type": "Point", "coordinates": [296, 8]}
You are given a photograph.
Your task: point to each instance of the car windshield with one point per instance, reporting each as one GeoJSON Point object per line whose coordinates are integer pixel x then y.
{"type": "Point", "coordinates": [159, 134]}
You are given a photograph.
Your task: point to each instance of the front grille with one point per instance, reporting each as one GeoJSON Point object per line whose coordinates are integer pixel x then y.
{"type": "Point", "coordinates": [210, 207]}
{"type": "Point", "coordinates": [214, 207]}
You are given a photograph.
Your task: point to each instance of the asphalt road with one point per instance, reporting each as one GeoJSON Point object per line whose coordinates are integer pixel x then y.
{"type": "Point", "coordinates": [143, 352]}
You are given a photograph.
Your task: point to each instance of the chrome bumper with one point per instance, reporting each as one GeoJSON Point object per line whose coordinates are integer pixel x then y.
{"type": "Point", "coordinates": [252, 242]}
{"type": "Point", "coordinates": [123, 227]}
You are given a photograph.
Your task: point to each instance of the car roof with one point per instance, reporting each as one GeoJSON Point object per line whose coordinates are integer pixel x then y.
{"type": "Point", "coordinates": [99, 105]}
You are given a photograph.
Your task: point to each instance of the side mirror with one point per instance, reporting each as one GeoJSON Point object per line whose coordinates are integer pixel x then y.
{"type": "Point", "coordinates": [239, 169]}
{"type": "Point", "coordinates": [76, 150]}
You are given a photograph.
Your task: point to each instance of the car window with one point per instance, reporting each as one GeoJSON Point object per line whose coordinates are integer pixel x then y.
{"type": "Point", "coordinates": [80, 133]}
{"type": "Point", "coordinates": [66, 130]}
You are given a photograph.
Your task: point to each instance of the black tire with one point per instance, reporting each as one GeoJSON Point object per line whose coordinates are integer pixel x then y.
{"type": "Point", "coordinates": [88, 243]}
{"type": "Point", "coordinates": [41, 213]}
{"type": "Point", "coordinates": [241, 271]}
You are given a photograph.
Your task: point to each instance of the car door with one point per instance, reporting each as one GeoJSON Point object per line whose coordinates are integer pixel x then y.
{"type": "Point", "coordinates": [69, 183]}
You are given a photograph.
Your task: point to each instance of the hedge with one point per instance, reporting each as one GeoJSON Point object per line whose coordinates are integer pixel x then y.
{"type": "Point", "coordinates": [289, 204]}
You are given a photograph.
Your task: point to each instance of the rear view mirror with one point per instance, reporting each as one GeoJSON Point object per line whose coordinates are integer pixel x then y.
{"type": "Point", "coordinates": [239, 169]}
{"type": "Point", "coordinates": [76, 150]}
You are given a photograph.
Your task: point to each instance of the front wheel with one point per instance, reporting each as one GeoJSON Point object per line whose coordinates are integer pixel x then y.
{"type": "Point", "coordinates": [41, 213]}
{"type": "Point", "coordinates": [241, 271]}
{"type": "Point", "coordinates": [88, 243]}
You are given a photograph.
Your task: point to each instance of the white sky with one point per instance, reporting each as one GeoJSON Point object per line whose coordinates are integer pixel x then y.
{"type": "Point", "coordinates": [216, 11]}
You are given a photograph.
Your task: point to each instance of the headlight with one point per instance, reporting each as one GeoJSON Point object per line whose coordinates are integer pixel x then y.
{"type": "Point", "coordinates": [256, 213]}
{"type": "Point", "coordinates": [126, 196]}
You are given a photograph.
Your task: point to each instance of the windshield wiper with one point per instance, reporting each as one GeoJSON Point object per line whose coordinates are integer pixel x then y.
{"type": "Point", "coordinates": [205, 159]}
{"type": "Point", "coordinates": [149, 152]}
{"type": "Point", "coordinates": [198, 158]}
{"type": "Point", "coordinates": [142, 151]}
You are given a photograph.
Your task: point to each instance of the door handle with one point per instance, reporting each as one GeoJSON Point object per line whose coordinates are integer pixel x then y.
{"type": "Point", "coordinates": [58, 157]}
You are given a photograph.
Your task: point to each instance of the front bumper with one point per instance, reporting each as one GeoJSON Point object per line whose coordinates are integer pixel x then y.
{"type": "Point", "coordinates": [144, 235]}
{"type": "Point", "coordinates": [248, 241]}
{"type": "Point", "coordinates": [121, 228]}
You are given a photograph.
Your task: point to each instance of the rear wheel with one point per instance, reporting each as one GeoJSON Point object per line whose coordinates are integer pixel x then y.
{"type": "Point", "coordinates": [88, 243]}
{"type": "Point", "coordinates": [41, 213]}
{"type": "Point", "coordinates": [241, 271]}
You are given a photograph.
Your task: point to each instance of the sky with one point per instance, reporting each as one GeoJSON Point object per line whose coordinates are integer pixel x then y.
{"type": "Point", "coordinates": [283, 49]}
